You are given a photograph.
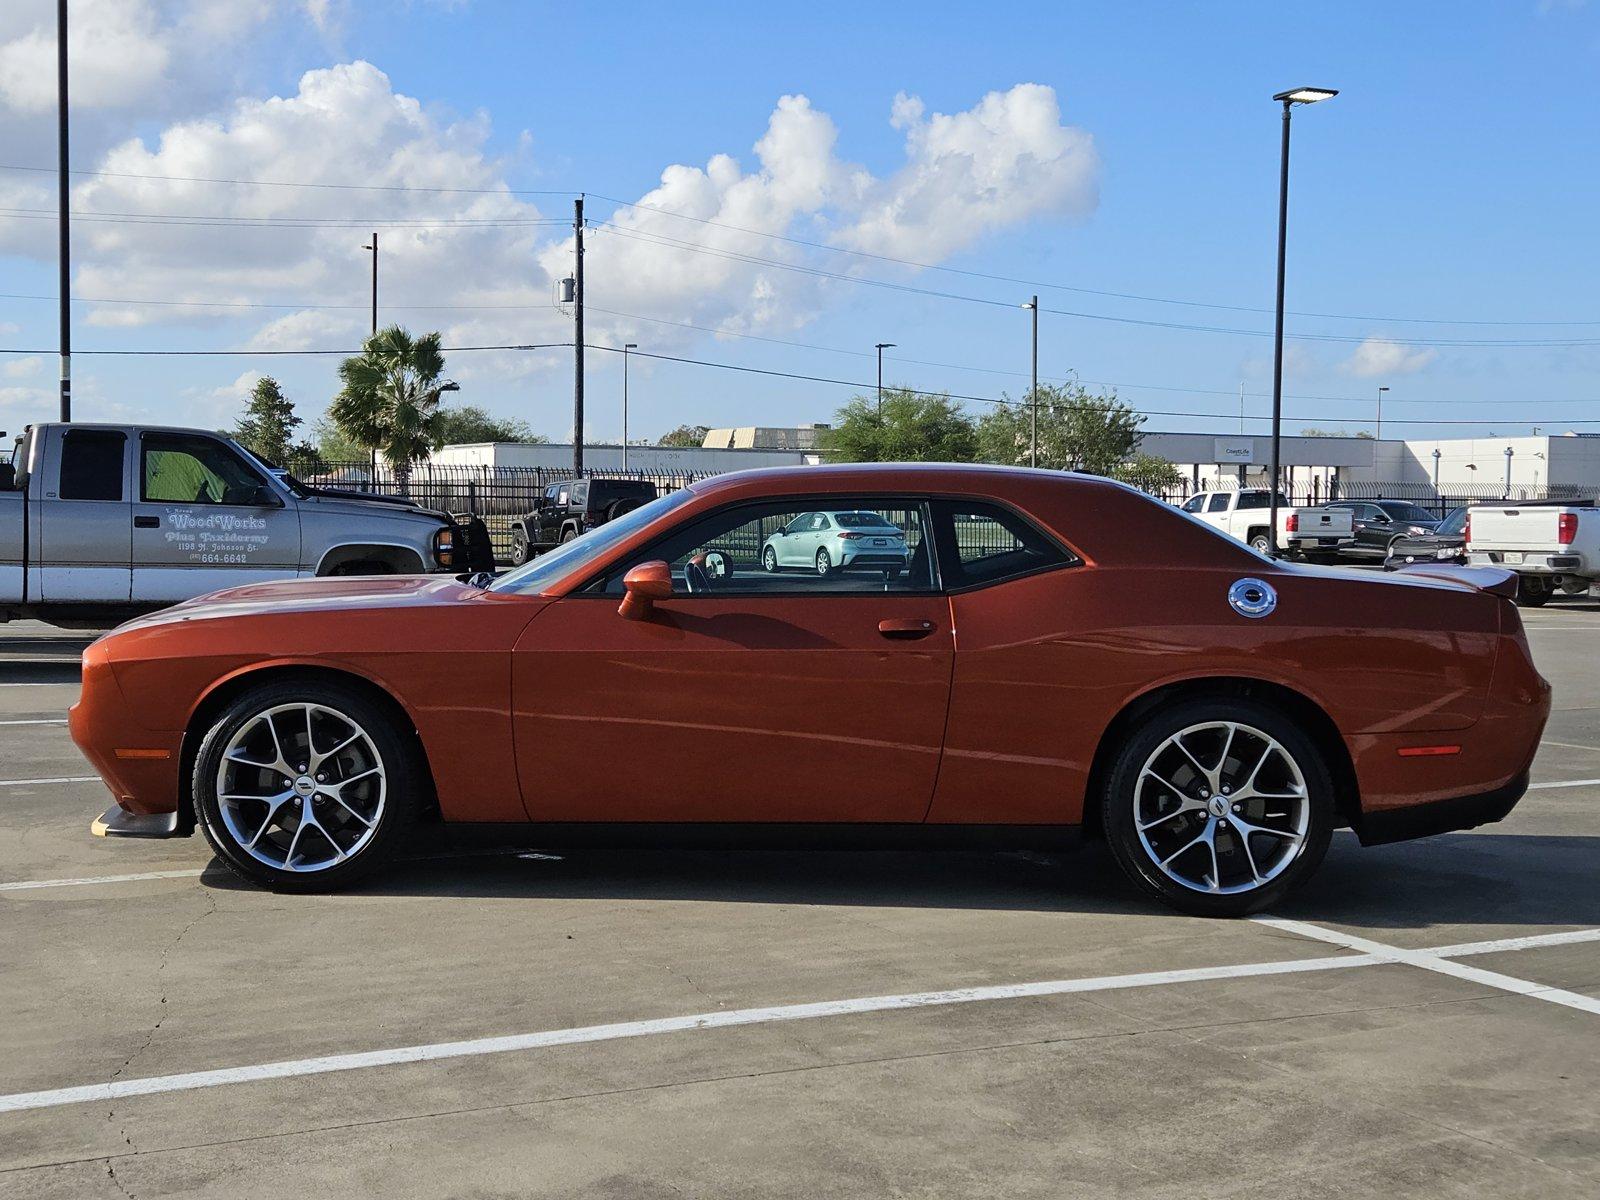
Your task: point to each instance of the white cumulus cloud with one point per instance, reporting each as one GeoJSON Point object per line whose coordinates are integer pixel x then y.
{"type": "Point", "coordinates": [1378, 356]}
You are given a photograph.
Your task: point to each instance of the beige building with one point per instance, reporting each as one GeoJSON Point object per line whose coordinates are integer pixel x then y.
{"type": "Point", "coordinates": [765, 437]}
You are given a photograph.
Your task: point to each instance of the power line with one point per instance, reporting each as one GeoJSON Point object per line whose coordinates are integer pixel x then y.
{"type": "Point", "coordinates": [227, 222]}
{"type": "Point", "coordinates": [354, 187]}
{"type": "Point", "coordinates": [1063, 287]}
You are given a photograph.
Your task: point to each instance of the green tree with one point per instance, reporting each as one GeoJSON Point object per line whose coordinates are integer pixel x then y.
{"type": "Point", "coordinates": [334, 445]}
{"type": "Point", "coordinates": [909, 427]}
{"type": "Point", "coordinates": [691, 436]}
{"type": "Point", "coordinates": [1360, 433]}
{"type": "Point", "coordinates": [268, 423]}
{"type": "Point", "coordinates": [390, 399]}
{"type": "Point", "coordinates": [466, 423]}
{"type": "Point", "coordinates": [1078, 430]}
{"type": "Point", "coordinates": [1149, 473]}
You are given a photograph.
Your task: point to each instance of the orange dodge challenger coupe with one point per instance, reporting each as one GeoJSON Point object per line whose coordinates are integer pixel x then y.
{"type": "Point", "coordinates": [1003, 657]}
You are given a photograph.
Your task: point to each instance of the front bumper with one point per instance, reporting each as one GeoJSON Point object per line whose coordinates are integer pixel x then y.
{"type": "Point", "coordinates": [138, 765]}
{"type": "Point", "coordinates": [118, 822]}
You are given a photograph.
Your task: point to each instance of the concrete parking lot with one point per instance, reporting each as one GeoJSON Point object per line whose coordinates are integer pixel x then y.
{"type": "Point", "coordinates": [1422, 1020]}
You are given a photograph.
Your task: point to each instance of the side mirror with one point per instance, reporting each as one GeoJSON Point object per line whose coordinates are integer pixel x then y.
{"type": "Point", "coordinates": [265, 497]}
{"type": "Point", "coordinates": [643, 586]}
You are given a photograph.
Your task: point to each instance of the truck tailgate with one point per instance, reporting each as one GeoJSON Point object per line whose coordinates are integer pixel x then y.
{"type": "Point", "coordinates": [1530, 528]}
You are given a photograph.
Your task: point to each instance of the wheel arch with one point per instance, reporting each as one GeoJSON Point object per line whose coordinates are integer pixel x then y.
{"type": "Point", "coordinates": [1319, 726]}
{"type": "Point", "coordinates": [230, 688]}
{"type": "Point", "coordinates": [403, 559]}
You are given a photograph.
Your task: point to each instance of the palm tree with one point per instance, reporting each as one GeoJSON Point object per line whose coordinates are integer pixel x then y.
{"type": "Point", "coordinates": [390, 399]}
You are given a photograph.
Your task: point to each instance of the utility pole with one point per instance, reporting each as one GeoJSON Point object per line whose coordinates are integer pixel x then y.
{"type": "Point", "coordinates": [1241, 406]}
{"type": "Point", "coordinates": [881, 347]}
{"type": "Point", "coordinates": [1033, 416]}
{"type": "Point", "coordinates": [1381, 391]}
{"type": "Point", "coordinates": [626, 346]}
{"type": "Point", "coordinates": [577, 342]}
{"type": "Point", "coordinates": [374, 249]}
{"type": "Point", "coordinates": [64, 288]}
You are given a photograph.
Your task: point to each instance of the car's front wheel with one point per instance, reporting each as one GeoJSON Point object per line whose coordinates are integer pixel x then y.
{"type": "Point", "coordinates": [304, 786]}
{"type": "Point", "coordinates": [1219, 807]}
{"type": "Point", "coordinates": [521, 551]}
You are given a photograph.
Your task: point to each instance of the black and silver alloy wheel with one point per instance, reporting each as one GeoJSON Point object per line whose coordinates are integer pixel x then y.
{"type": "Point", "coordinates": [302, 787]}
{"type": "Point", "coordinates": [1219, 807]}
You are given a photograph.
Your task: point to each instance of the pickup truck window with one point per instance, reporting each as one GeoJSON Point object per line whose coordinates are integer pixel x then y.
{"type": "Point", "coordinates": [1218, 502]}
{"type": "Point", "coordinates": [195, 470]}
{"type": "Point", "coordinates": [91, 464]}
{"type": "Point", "coordinates": [1254, 500]}
{"type": "Point", "coordinates": [1194, 503]}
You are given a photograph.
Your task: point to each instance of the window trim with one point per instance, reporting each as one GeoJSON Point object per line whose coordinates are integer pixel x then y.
{"type": "Point", "coordinates": [201, 437]}
{"type": "Point", "coordinates": [594, 586]}
{"type": "Point", "coordinates": [124, 492]}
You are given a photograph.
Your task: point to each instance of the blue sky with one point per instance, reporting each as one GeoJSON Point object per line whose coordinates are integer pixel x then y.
{"type": "Point", "coordinates": [1453, 180]}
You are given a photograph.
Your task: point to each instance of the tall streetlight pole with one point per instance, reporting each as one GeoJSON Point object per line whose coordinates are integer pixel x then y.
{"type": "Point", "coordinates": [1033, 390]}
{"type": "Point", "coordinates": [374, 248]}
{"type": "Point", "coordinates": [1381, 391]}
{"type": "Point", "coordinates": [1289, 99]}
{"type": "Point", "coordinates": [577, 340]}
{"type": "Point", "coordinates": [626, 346]}
{"type": "Point", "coordinates": [880, 347]}
{"type": "Point", "coordinates": [64, 287]}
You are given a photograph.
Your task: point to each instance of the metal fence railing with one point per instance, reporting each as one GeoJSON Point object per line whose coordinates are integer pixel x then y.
{"type": "Point", "coordinates": [1439, 501]}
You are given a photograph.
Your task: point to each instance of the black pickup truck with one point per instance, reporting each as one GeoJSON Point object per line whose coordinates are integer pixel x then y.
{"type": "Point", "coordinates": [572, 507]}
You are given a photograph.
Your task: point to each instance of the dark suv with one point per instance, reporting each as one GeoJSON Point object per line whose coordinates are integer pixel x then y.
{"type": "Point", "coordinates": [574, 506]}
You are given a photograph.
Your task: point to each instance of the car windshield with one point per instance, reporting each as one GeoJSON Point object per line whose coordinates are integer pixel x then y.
{"type": "Point", "coordinates": [1408, 512]}
{"type": "Point", "coordinates": [548, 569]}
{"type": "Point", "coordinates": [1456, 522]}
{"type": "Point", "coordinates": [862, 520]}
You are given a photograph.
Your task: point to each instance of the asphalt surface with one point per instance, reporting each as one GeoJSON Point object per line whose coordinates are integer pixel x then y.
{"type": "Point", "coordinates": [1391, 1074]}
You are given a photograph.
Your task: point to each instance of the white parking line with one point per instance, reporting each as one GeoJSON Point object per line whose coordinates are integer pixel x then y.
{"type": "Point", "coordinates": [62, 779]}
{"type": "Point", "coordinates": [1564, 783]}
{"type": "Point", "coordinates": [1429, 960]}
{"type": "Point", "coordinates": [28, 885]}
{"type": "Point", "coordinates": [119, 1088]}
{"type": "Point", "coordinates": [43, 683]}
{"type": "Point", "coordinates": [1379, 955]}
{"type": "Point", "coordinates": [1569, 745]}
{"type": "Point", "coordinates": [51, 721]}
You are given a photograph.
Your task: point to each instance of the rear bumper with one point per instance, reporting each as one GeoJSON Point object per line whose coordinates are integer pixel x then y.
{"type": "Point", "coordinates": [1531, 562]}
{"type": "Point", "coordinates": [1440, 816]}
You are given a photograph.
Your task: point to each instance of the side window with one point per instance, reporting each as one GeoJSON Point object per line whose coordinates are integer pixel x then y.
{"type": "Point", "coordinates": [91, 465]}
{"type": "Point", "coordinates": [758, 549]}
{"type": "Point", "coordinates": [561, 498]}
{"type": "Point", "coordinates": [1218, 502]}
{"type": "Point", "coordinates": [984, 543]}
{"type": "Point", "coordinates": [1194, 503]}
{"type": "Point", "coordinates": [176, 469]}
{"type": "Point", "coordinates": [1254, 500]}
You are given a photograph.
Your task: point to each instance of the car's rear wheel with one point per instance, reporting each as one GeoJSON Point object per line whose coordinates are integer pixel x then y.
{"type": "Point", "coordinates": [1219, 807]}
{"type": "Point", "coordinates": [521, 552]}
{"type": "Point", "coordinates": [769, 561]}
{"type": "Point", "coordinates": [1533, 592]}
{"type": "Point", "coordinates": [568, 534]}
{"type": "Point", "coordinates": [824, 563]}
{"type": "Point", "coordinates": [304, 786]}
{"type": "Point", "coordinates": [1260, 543]}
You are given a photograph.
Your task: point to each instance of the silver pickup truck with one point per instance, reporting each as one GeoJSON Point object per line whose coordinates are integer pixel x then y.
{"type": "Point", "coordinates": [100, 522]}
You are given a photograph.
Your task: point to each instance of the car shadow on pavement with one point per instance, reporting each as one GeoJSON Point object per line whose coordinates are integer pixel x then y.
{"type": "Point", "coordinates": [39, 672]}
{"type": "Point", "coordinates": [1455, 879]}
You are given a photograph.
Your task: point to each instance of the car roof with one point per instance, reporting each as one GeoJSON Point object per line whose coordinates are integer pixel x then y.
{"type": "Point", "coordinates": [857, 479]}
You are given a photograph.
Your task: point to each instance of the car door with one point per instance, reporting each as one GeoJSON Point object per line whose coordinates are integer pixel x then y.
{"type": "Point", "coordinates": [1373, 528]}
{"type": "Point", "coordinates": [206, 519]}
{"type": "Point", "coordinates": [84, 546]}
{"type": "Point", "coordinates": [792, 539]}
{"type": "Point", "coordinates": [767, 698]}
{"type": "Point", "coordinates": [1216, 511]}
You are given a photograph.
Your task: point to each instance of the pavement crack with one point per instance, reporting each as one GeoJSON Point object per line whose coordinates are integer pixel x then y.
{"type": "Point", "coordinates": [161, 1016]}
{"type": "Point", "coordinates": [111, 1174]}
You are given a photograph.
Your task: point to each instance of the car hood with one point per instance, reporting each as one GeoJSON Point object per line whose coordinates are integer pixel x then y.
{"type": "Point", "coordinates": [311, 595]}
{"type": "Point", "coordinates": [368, 507]}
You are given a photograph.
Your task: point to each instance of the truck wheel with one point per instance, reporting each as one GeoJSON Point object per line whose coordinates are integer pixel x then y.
{"type": "Point", "coordinates": [521, 552]}
{"type": "Point", "coordinates": [1260, 543]}
{"type": "Point", "coordinates": [1532, 593]}
{"type": "Point", "coordinates": [1218, 807]}
{"type": "Point", "coordinates": [302, 786]}
{"type": "Point", "coordinates": [568, 534]}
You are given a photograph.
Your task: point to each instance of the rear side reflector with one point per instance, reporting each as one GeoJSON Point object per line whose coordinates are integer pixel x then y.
{"type": "Point", "coordinates": [135, 752]}
{"type": "Point", "coordinates": [1427, 751]}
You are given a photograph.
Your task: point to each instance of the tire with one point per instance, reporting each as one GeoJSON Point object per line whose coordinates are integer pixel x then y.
{"type": "Point", "coordinates": [1530, 595]}
{"type": "Point", "coordinates": [824, 563]}
{"type": "Point", "coordinates": [1288, 837]}
{"type": "Point", "coordinates": [256, 839]}
{"type": "Point", "coordinates": [769, 561]}
{"type": "Point", "coordinates": [521, 552]}
{"type": "Point", "coordinates": [1261, 543]}
{"type": "Point", "coordinates": [568, 534]}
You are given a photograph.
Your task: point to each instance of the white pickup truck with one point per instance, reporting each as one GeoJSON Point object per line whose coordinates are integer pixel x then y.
{"type": "Point", "coordinates": [99, 522]}
{"type": "Point", "coordinates": [1244, 514]}
{"type": "Point", "coordinates": [1552, 545]}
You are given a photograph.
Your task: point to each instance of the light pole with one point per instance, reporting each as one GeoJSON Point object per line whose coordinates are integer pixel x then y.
{"type": "Point", "coordinates": [374, 248]}
{"type": "Point", "coordinates": [65, 228]}
{"type": "Point", "coordinates": [1509, 453]}
{"type": "Point", "coordinates": [1437, 455]}
{"type": "Point", "coordinates": [1033, 391]}
{"type": "Point", "coordinates": [626, 346]}
{"type": "Point", "coordinates": [1289, 99]}
{"type": "Point", "coordinates": [1381, 391]}
{"type": "Point", "coordinates": [880, 347]}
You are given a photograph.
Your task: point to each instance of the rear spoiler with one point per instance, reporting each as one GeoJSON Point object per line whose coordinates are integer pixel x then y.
{"type": "Point", "coordinates": [1483, 579]}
